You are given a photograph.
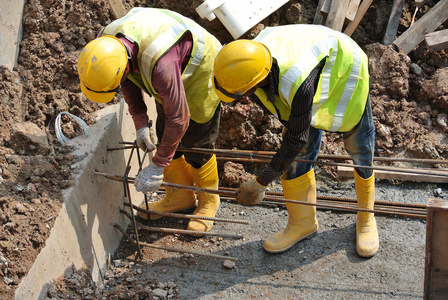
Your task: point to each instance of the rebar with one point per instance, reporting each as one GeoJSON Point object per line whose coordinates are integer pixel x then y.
{"type": "Point", "coordinates": [130, 239]}
{"type": "Point", "coordinates": [254, 155]}
{"type": "Point", "coordinates": [181, 231]}
{"type": "Point", "coordinates": [278, 199]}
{"type": "Point", "coordinates": [190, 232]}
{"type": "Point", "coordinates": [183, 216]}
{"type": "Point", "coordinates": [269, 154]}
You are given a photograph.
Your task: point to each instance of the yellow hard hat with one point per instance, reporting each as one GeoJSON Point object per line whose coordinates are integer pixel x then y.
{"type": "Point", "coordinates": [101, 66]}
{"type": "Point", "coordinates": [240, 66]}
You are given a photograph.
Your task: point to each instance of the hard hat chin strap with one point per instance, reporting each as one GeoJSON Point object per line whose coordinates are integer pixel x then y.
{"type": "Point", "coordinates": [226, 93]}
{"type": "Point", "coordinates": [115, 90]}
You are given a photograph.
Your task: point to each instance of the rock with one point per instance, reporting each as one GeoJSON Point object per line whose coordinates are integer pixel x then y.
{"type": "Point", "coordinates": [160, 293]}
{"type": "Point", "coordinates": [416, 69]}
{"type": "Point", "coordinates": [228, 264]}
{"type": "Point", "coordinates": [7, 280]}
{"type": "Point", "coordinates": [293, 14]}
{"type": "Point", "coordinates": [442, 120]}
{"type": "Point", "coordinates": [435, 90]}
{"type": "Point", "coordinates": [20, 208]}
{"type": "Point", "coordinates": [30, 138]}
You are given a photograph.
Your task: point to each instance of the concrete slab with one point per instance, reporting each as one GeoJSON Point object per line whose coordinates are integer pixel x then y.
{"type": "Point", "coordinates": [83, 234]}
{"type": "Point", "coordinates": [11, 12]}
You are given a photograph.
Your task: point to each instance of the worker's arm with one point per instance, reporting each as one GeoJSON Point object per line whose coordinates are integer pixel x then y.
{"type": "Point", "coordinates": [252, 191]}
{"type": "Point", "coordinates": [297, 131]}
{"type": "Point", "coordinates": [167, 80]}
{"type": "Point", "coordinates": [137, 108]}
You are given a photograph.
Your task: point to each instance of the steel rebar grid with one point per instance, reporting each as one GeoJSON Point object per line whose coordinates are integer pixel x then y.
{"type": "Point", "coordinates": [268, 197]}
{"type": "Point", "coordinates": [130, 239]}
{"type": "Point", "coordinates": [125, 180]}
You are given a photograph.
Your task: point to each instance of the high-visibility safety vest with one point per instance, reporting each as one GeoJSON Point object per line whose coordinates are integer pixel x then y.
{"type": "Point", "coordinates": [156, 31]}
{"type": "Point", "coordinates": [343, 87]}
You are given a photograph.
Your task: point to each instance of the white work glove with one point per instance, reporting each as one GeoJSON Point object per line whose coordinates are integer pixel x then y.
{"type": "Point", "coordinates": [149, 179]}
{"type": "Point", "coordinates": [145, 139]}
{"type": "Point", "coordinates": [250, 192]}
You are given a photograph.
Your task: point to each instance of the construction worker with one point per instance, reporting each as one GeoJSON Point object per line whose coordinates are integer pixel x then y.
{"type": "Point", "coordinates": [313, 79]}
{"type": "Point", "coordinates": [170, 57]}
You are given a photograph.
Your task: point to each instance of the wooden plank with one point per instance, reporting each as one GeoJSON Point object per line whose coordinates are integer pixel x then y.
{"type": "Point", "coordinates": [352, 9]}
{"type": "Point", "coordinates": [326, 6]}
{"type": "Point", "coordinates": [117, 8]}
{"type": "Point", "coordinates": [436, 252]}
{"type": "Point", "coordinates": [336, 15]}
{"type": "Point", "coordinates": [437, 40]}
{"type": "Point", "coordinates": [415, 34]}
{"type": "Point", "coordinates": [320, 15]}
{"type": "Point", "coordinates": [394, 21]}
{"type": "Point", "coordinates": [381, 174]}
{"type": "Point", "coordinates": [365, 4]}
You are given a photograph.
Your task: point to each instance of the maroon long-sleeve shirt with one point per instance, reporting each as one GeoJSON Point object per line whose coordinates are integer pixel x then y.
{"type": "Point", "coordinates": [167, 80]}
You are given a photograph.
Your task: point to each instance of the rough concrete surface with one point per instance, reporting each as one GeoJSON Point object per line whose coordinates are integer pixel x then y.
{"type": "Point", "coordinates": [11, 31]}
{"type": "Point", "coordinates": [82, 234]}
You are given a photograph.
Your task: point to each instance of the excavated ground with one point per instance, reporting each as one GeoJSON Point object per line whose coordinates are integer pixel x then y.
{"type": "Point", "coordinates": [409, 97]}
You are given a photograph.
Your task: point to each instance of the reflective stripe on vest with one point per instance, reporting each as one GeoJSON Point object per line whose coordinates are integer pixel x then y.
{"type": "Point", "coordinates": [343, 87]}
{"type": "Point", "coordinates": [156, 31]}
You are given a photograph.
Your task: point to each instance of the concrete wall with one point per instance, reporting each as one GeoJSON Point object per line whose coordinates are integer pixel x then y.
{"type": "Point", "coordinates": [11, 12]}
{"type": "Point", "coordinates": [83, 234]}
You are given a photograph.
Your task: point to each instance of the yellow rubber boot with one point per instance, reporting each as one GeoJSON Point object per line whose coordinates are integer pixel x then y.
{"type": "Point", "coordinates": [302, 221]}
{"type": "Point", "coordinates": [179, 172]}
{"type": "Point", "coordinates": [205, 177]}
{"type": "Point", "coordinates": [367, 240]}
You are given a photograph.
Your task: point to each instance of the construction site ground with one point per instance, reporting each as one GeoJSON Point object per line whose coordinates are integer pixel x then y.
{"type": "Point", "coordinates": [409, 95]}
{"type": "Point", "coordinates": [323, 267]}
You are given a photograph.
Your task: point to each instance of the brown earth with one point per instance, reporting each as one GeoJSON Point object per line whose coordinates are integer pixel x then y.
{"type": "Point", "coordinates": [409, 99]}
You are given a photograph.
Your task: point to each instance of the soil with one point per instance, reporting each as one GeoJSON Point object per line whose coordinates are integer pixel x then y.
{"type": "Point", "coordinates": [409, 96]}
